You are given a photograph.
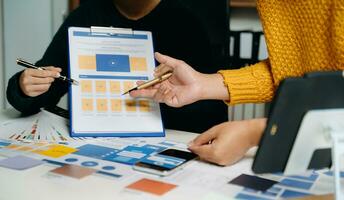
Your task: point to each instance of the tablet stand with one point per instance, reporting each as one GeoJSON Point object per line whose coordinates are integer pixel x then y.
{"type": "Point", "coordinates": [319, 129]}
{"type": "Point", "coordinates": [337, 134]}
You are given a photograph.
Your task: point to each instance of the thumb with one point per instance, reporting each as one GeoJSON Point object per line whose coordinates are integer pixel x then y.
{"type": "Point", "coordinates": [167, 60]}
{"type": "Point", "coordinates": [204, 151]}
{"type": "Point", "coordinates": [204, 138]}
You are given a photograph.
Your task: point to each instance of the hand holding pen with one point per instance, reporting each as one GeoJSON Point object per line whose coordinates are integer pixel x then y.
{"type": "Point", "coordinates": [35, 81]}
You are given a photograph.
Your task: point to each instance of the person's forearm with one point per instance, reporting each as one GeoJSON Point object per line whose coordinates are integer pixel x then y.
{"type": "Point", "coordinates": [257, 127]}
{"type": "Point", "coordinates": [212, 87]}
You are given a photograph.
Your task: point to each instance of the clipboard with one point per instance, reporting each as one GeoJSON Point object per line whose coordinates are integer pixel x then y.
{"type": "Point", "coordinates": [295, 98]}
{"type": "Point", "coordinates": [108, 61]}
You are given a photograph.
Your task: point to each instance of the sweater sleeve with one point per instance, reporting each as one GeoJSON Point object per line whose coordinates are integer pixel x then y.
{"type": "Point", "coordinates": [251, 84]}
{"type": "Point", "coordinates": [55, 55]}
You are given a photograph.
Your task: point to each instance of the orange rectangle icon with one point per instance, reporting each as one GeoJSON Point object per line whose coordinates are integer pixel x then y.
{"type": "Point", "coordinates": [127, 85]}
{"type": "Point", "coordinates": [116, 105]}
{"type": "Point", "coordinates": [87, 62]}
{"type": "Point", "coordinates": [144, 106]}
{"type": "Point", "coordinates": [101, 86]}
{"type": "Point", "coordinates": [87, 104]}
{"type": "Point", "coordinates": [152, 186]}
{"type": "Point", "coordinates": [102, 105]}
{"type": "Point", "coordinates": [115, 87]}
{"type": "Point", "coordinates": [138, 64]}
{"type": "Point", "coordinates": [86, 86]}
{"type": "Point", "coordinates": [130, 105]}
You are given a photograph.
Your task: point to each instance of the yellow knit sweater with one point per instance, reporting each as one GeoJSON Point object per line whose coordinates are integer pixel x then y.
{"type": "Point", "coordinates": [302, 36]}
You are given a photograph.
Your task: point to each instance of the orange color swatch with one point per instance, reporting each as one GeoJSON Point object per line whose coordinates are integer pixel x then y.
{"type": "Point", "coordinates": [87, 62]}
{"type": "Point", "coordinates": [144, 106]}
{"type": "Point", "coordinates": [86, 86]}
{"type": "Point", "coordinates": [116, 105]}
{"type": "Point", "coordinates": [87, 104]}
{"type": "Point", "coordinates": [130, 105]}
{"type": "Point", "coordinates": [138, 64]}
{"type": "Point", "coordinates": [102, 105]}
{"type": "Point", "coordinates": [115, 87]}
{"type": "Point", "coordinates": [127, 85]}
{"type": "Point", "coordinates": [152, 186]}
{"type": "Point", "coordinates": [73, 171]}
{"type": "Point", "coordinates": [100, 86]}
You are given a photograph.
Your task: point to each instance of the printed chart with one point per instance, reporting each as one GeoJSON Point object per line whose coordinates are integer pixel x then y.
{"type": "Point", "coordinates": [106, 66]}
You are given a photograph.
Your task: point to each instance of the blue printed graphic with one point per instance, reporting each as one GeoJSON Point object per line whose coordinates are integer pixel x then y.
{"type": "Point", "coordinates": [4, 144]}
{"type": "Point", "coordinates": [89, 164]}
{"type": "Point", "coordinates": [296, 184]}
{"type": "Point", "coordinates": [95, 151]}
{"type": "Point", "coordinates": [249, 197]}
{"type": "Point", "coordinates": [163, 161]}
{"type": "Point", "coordinates": [112, 63]}
{"type": "Point", "coordinates": [132, 154]}
{"type": "Point", "coordinates": [293, 194]}
{"type": "Point", "coordinates": [71, 160]}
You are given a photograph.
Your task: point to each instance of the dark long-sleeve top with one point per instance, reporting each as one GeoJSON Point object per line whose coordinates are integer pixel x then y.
{"type": "Point", "coordinates": [176, 33]}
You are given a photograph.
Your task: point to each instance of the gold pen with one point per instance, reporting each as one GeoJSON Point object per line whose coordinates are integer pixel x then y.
{"type": "Point", "coordinates": [32, 66]}
{"type": "Point", "coordinates": [151, 82]}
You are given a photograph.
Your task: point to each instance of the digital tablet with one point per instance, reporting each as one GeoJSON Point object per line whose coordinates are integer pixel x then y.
{"type": "Point", "coordinates": [293, 99]}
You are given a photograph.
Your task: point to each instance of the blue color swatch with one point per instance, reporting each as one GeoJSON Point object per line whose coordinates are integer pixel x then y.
{"type": "Point", "coordinates": [4, 144]}
{"type": "Point", "coordinates": [293, 194]}
{"type": "Point", "coordinates": [249, 197]}
{"type": "Point", "coordinates": [95, 151]}
{"type": "Point", "coordinates": [112, 63]}
{"type": "Point", "coordinates": [311, 177]}
{"type": "Point", "coordinates": [296, 184]}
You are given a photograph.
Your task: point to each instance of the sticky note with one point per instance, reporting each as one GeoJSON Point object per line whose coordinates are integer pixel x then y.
{"type": "Point", "coordinates": [253, 182]}
{"type": "Point", "coordinates": [73, 171]}
{"type": "Point", "coordinates": [20, 163]}
{"type": "Point", "coordinates": [152, 186]}
{"type": "Point", "coordinates": [55, 151]}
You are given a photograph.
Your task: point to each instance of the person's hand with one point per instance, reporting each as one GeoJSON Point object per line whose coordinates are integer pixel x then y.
{"type": "Point", "coordinates": [34, 82]}
{"type": "Point", "coordinates": [180, 89]}
{"type": "Point", "coordinates": [185, 86]}
{"type": "Point", "coordinates": [228, 142]}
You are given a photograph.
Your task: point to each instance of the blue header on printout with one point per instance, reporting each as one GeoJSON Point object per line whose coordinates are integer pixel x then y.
{"type": "Point", "coordinates": [103, 35]}
{"type": "Point", "coordinates": [143, 78]}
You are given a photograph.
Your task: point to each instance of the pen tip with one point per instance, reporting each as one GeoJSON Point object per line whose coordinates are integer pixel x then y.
{"type": "Point", "coordinates": [75, 82]}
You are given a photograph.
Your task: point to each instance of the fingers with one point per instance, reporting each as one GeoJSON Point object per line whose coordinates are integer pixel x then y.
{"type": "Point", "coordinates": [51, 68]}
{"type": "Point", "coordinates": [205, 152]}
{"type": "Point", "coordinates": [34, 82]}
{"type": "Point", "coordinates": [41, 73]}
{"type": "Point", "coordinates": [35, 90]}
{"type": "Point", "coordinates": [143, 93]}
{"type": "Point", "coordinates": [204, 138]}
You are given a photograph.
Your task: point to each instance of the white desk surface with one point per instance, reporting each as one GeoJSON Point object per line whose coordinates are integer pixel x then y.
{"type": "Point", "coordinates": [198, 180]}
{"type": "Point", "coordinates": [33, 183]}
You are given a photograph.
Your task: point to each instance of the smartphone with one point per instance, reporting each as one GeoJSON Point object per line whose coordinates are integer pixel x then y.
{"type": "Point", "coordinates": [164, 163]}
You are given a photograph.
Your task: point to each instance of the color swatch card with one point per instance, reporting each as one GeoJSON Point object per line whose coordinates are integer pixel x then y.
{"type": "Point", "coordinates": [43, 126]}
{"type": "Point", "coordinates": [106, 66]}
